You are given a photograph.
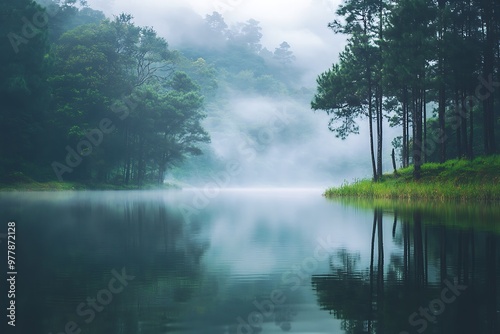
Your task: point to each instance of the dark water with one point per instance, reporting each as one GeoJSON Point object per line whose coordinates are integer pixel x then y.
{"type": "Point", "coordinates": [249, 262]}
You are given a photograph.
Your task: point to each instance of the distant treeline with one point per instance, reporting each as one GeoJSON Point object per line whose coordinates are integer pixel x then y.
{"type": "Point", "coordinates": [90, 99]}
{"type": "Point", "coordinates": [429, 67]}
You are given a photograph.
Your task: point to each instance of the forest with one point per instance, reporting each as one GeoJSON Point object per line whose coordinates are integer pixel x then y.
{"type": "Point", "coordinates": [429, 67]}
{"type": "Point", "coordinates": [93, 99]}
{"type": "Point", "coordinates": [98, 100]}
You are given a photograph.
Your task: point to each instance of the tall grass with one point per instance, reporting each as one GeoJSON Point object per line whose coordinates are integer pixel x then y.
{"type": "Point", "coordinates": [454, 180]}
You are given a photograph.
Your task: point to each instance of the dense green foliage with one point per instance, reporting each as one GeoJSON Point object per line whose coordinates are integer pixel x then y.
{"type": "Point", "coordinates": [478, 179]}
{"type": "Point", "coordinates": [90, 99]}
{"type": "Point", "coordinates": [404, 58]}
{"type": "Point", "coordinates": [23, 94]}
{"type": "Point", "coordinates": [94, 100]}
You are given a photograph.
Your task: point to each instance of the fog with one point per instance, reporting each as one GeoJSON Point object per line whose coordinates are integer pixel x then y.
{"type": "Point", "coordinates": [302, 24]}
{"type": "Point", "coordinates": [274, 141]}
{"type": "Point", "coordinates": [283, 143]}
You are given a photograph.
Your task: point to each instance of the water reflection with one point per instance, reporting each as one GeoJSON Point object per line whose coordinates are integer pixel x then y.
{"type": "Point", "coordinates": [439, 278]}
{"type": "Point", "coordinates": [252, 262]}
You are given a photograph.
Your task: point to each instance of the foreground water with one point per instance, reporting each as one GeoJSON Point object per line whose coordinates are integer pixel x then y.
{"type": "Point", "coordinates": [248, 262]}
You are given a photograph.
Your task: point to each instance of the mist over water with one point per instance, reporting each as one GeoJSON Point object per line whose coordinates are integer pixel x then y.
{"type": "Point", "coordinates": [273, 139]}
{"type": "Point", "coordinates": [276, 141]}
{"type": "Point", "coordinates": [283, 144]}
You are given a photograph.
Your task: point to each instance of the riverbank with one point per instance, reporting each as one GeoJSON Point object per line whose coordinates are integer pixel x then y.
{"type": "Point", "coordinates": [24, 183]}
{"type": "Point", "coordinates": [476, 180]}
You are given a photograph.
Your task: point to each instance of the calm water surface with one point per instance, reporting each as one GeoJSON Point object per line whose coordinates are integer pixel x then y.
{"type": "Point", "coordinates": [250, 262]}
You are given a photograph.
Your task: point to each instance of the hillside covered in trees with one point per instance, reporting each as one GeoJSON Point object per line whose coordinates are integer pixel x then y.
{"type": "Point", "coordinates": [91, 99]}
{"type": "Point", "coordinates": [429, 67]}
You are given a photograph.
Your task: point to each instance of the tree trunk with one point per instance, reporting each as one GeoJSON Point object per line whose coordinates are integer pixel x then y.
{"type": "Point", "coordinates": [442, 87]}
{"type": "Point", "coordinates": [407, 112]}
{"type": "Point", "coordinates": [405, 128]}
{"type": "Point", "coordinates": [380, 122]}
{"type": "Point", "coordinates": [441, 116]}
{"type": "Point", "coordinates": [393, 155]}
{"type": "Point", "coordinates": [471, 129]}
{"type": "Point", "coordinates": [488, 70]}
{"type": "Point", "coordinates": [162, 168]}
{"type": "Point", "coordinates": [141, 168]}
{"type": "Point", "coordinates": [128, 163]}
{"type": "Point", "coordinates": [463, 126]}
{"type": "Point", "coordinates": [417, 139]}
{"type": "Point", "coordinates": [370, 107]}
{"type": "Point", "coordinates": [424, 142]}
{"type": "Point", "coordinates": [370, 120]}
{"type": "Point", "coordinates": [380, 118]}
{"type": "Point", "coordinates": [458, 120]}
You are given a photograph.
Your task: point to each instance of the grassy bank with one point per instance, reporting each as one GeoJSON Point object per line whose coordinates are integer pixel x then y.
{"type": "Point", "coordinates": [454, 180]}
{"type": "Point", "coordinates": [67, 186]}
{"type": "Point", "coordinates": [18, 181]}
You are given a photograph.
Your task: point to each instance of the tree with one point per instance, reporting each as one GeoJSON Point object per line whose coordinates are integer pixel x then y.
{"type": "Point", "coordinates": [180, 126]}
{"type": "Point", "coordinates": [216, 23]}
{"type": "Point", "coordinates": [23, 92]}
{"type": "Point", "coordinates": [203, 73]}
{"type": "Point", "coordinates": [412, 52]}
{"type": "Point", "coordinates": [363, 54]}
{"type": "Point", "coordinates": [116, 70]}
{"type": "Point", "coordinates": [67, 15]}
{"type": "Point", "coordinates": [344, 97]}
{"type": "Point", "coordinates": [248, 34]}
{"type": "Point", "coordinates": [145, 57]}
{"type": "Point", "coordinates": [333, 97]}
{"type": "Point", "coordinates": [409, 35]}
{"type": "Point", "coordinates": [162, 129]}
{"type": "Point", "coordinates": [283, 54]}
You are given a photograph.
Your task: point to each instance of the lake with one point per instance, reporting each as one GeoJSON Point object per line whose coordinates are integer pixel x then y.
{"type": "Point", "coordinates": [249, 261]}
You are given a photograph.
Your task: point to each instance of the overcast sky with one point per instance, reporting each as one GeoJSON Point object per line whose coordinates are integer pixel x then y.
{"type": "Point", "coordinates": [302, 23]}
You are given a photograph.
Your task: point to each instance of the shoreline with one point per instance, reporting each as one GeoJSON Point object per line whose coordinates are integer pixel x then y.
{"type": "Point", "coordinates": [455, 180]}
{"type": "Point", "coordinates": [54, 186]}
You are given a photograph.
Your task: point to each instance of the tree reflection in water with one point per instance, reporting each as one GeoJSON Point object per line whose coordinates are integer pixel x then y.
{"type": "Point", "coordinates": [398, 296]}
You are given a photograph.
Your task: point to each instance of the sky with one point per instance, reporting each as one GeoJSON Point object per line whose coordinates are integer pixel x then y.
{"type": "Point", "coordinates": [302, 23]}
